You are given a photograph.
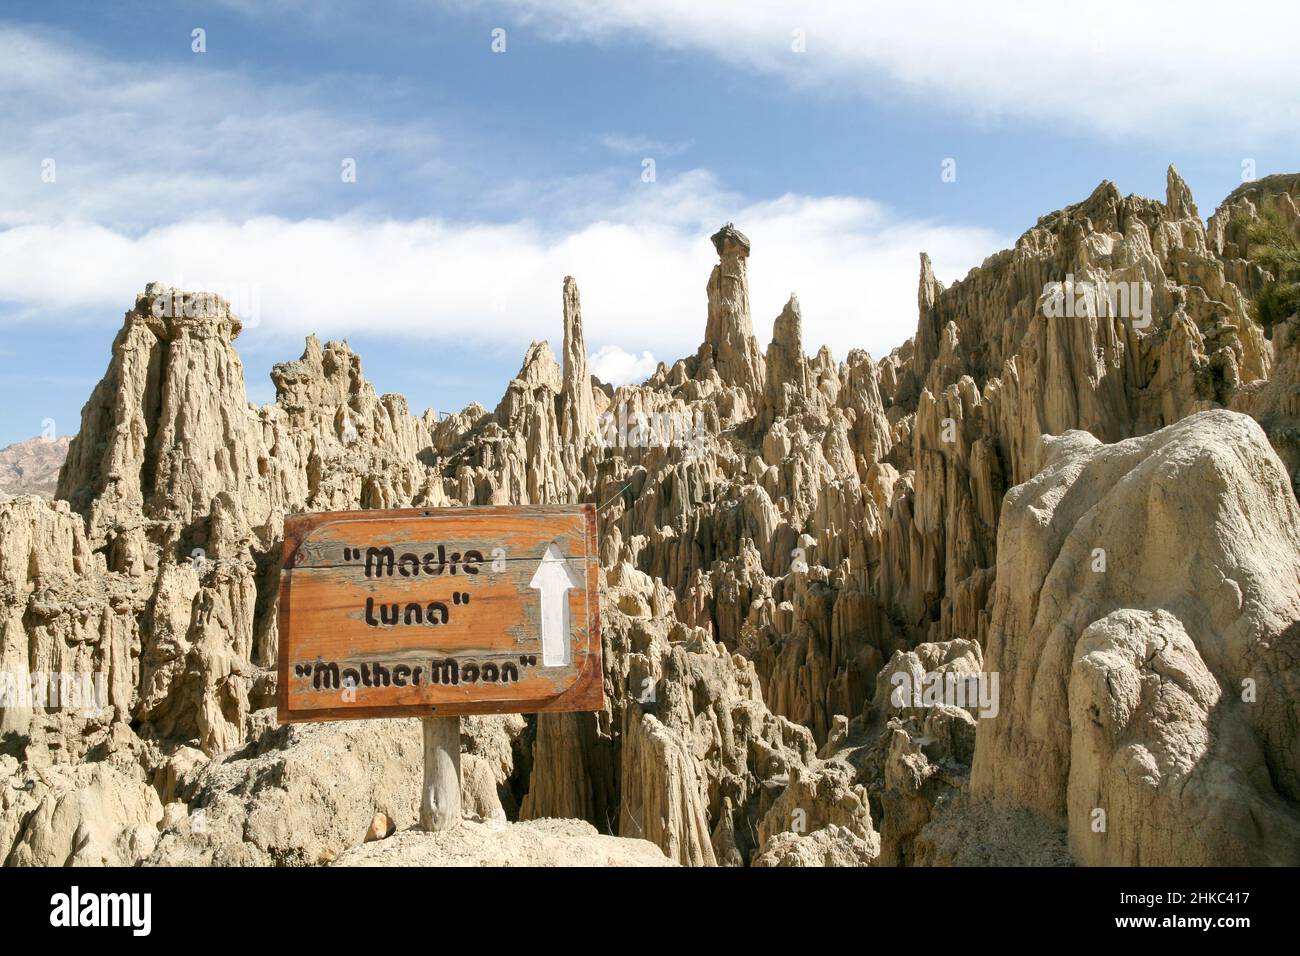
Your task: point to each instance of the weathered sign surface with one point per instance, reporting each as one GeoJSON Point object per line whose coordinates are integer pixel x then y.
{"type": "Point", "coordinates": [439, 612]}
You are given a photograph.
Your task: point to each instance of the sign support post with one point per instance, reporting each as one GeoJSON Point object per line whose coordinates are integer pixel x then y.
{"type": "Point", "coordinates": [440, 794]}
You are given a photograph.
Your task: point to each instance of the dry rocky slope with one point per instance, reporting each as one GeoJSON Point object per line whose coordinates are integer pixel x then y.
{"type": "Point", "coordinates": [1097, 510]}
{"type": "Point", "coordinates": [31, 467]}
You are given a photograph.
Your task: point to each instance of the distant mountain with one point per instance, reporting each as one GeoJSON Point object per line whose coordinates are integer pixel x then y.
{"type": "Point", "coordinates": [31, 467]}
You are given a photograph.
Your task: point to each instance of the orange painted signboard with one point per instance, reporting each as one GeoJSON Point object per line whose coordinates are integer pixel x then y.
{"type": "Point", "coordinates": [439, 612]}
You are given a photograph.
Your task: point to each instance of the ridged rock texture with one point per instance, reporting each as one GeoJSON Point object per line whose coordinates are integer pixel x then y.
{"type": "Point", "coordinates": [1078, 478]}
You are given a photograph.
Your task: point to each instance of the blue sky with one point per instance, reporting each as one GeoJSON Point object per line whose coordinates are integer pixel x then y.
{"type": "Point", "coordinates": [483, 177]}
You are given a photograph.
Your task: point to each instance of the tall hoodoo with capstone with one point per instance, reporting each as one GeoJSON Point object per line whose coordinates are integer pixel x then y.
{"type": "Point", "coordinates": [729, 344]}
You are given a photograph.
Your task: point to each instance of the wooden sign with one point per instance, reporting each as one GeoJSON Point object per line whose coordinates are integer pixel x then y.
{"type": "Point", "coordinates": [439, 612]}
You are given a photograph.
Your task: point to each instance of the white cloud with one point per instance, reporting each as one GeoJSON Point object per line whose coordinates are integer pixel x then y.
{"type": "Point", "coordinates": [642, 269]}
{"type": "Point", "coordinates": [226, 174]}
{"type": "Point", "coordinates": [616, 367]}
{"type": "Point", "coordinates": [137, 142]}
{"type": "Point", "coordinates": [1109, 68]}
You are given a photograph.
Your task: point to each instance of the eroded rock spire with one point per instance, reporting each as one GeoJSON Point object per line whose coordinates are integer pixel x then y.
{"type": "Point", "coordinates": [787, 366]}
{"type": "Point", "coordinates": [1178, 196]}
{"type": "Point", "coordinates": [579, 415]}
{"type": "Point", "coordinates": [729, 344]}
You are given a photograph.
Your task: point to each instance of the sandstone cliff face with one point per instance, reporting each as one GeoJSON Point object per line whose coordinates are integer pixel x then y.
{"type": "Point", "coordinates": [781, 534]}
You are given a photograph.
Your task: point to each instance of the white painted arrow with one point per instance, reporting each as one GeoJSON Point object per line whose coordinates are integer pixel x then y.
{"type": "Point", "coordinates": [553, 579]}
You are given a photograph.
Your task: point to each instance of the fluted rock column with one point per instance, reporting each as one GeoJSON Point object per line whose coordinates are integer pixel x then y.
{"type": "Point", "coordinates": [579, 416]}
{"type": "Point", "coordinates": [786, 365]}
{"type": "Point", "coordinates": [729, 344]}
{"type": "Point", "coordinates": [1178, 196]}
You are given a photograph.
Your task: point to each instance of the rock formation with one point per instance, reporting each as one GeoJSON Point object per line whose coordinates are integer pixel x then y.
{"type": "Point", "coordinates": [1156, 580]}
{"type": "Point", "coordinates": [812, 572]}
{"type": "Point", "coordinates": [730, 348]}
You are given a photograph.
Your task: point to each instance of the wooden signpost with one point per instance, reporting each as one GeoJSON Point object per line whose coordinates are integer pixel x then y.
{"type": "Point", "coordinates": [437, 613]}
